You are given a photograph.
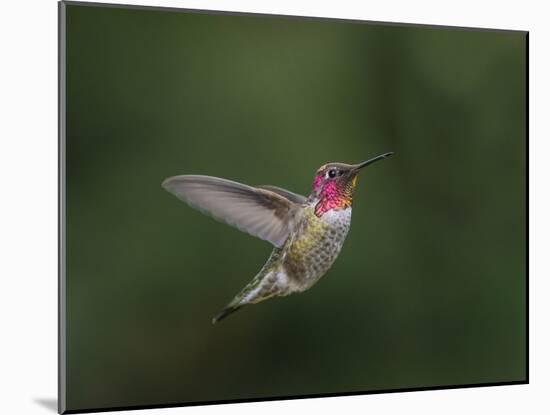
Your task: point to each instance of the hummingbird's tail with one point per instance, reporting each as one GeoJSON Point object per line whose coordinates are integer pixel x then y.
{"type": "Point", "coordinates": [263, 286]}
{"type": "Point", "coordinates": [225, 312]}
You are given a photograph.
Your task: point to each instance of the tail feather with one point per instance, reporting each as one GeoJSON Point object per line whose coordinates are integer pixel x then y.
{"type": "Point", "coordinates": [259, 289]}
{"type": "Point", "coordinates": [225, 312]}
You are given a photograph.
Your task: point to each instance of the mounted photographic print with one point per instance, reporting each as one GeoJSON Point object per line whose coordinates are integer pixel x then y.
{"type": "Point", "coordinates": [210, 163]}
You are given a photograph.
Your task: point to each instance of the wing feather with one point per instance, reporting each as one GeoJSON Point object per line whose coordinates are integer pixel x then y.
{"type": "Point", "coordinates": [259, 212]}
{"type": "Point", "coordinates": [293, 197]}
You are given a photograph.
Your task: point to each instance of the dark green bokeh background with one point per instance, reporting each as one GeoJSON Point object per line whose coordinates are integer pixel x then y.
{"type": "Point", "coordinates": [429, 289]}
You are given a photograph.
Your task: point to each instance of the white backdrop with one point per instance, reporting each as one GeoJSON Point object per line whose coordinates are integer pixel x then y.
{"type": "Point", "coordinates": [28, 206]}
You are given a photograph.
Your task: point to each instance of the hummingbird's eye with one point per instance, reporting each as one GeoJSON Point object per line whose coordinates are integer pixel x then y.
{"type": "Point", "coordinates": [332, 173]}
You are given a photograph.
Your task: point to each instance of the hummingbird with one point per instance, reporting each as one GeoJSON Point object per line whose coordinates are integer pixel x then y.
{"type": "Point", "coordinates": [307, 232]}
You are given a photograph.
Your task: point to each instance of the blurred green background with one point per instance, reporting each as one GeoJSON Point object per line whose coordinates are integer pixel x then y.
{"type": "Point", "coordinates": [429, 289]}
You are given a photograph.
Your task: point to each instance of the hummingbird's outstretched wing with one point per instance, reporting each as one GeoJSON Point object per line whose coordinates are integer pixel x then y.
{"type": "Point", "coordinates": [259, 212]}
{"type": "Point", "coordinates": [293, 197]}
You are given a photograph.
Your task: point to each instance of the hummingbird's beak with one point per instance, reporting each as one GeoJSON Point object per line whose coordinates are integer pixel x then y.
{"type": "Point", "coordinates": [355, 169]}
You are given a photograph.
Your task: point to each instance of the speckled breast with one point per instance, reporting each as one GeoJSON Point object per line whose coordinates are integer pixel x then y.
{"type": "Point", "coordinates": [315, 246]}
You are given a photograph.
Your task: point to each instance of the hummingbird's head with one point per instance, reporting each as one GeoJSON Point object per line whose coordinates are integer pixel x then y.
{"type": "Point", "coordinates": [334, 184]}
